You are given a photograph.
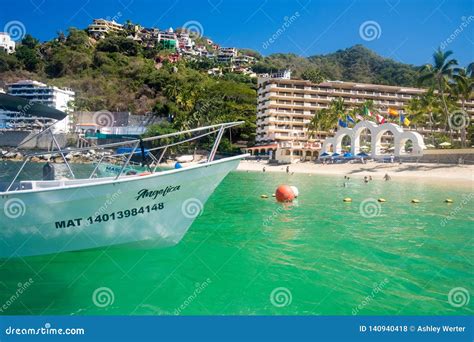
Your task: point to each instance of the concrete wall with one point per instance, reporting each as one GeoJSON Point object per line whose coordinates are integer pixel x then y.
{"type": "Point", "coordinates": [43, 142]}
{"type": "Point", "coordinates": [446, 156]}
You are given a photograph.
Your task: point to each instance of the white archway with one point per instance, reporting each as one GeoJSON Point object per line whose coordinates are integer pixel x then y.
{"type": "Point", "coordinates": [357, 130]}
{"type": "Point", "coordinates": [376, 131]}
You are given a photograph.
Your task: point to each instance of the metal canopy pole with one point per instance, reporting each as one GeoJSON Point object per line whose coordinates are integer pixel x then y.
{"type": "Point", "coordinates": [18, 173]}
{"type": "Point", "coordinates": [161, 157]}
{"type": "Point", "coordinates": [216, 144]}
{"type": "Point", "coordinates": [128, 159]}
{"type": "Point", "coordinates": [96, 167]}
{"type": "Point", "coordinates": [62, 154]}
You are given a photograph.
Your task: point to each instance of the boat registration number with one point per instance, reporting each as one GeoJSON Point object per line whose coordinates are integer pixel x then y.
{"type": "Point", "coordinates": [118, 215]}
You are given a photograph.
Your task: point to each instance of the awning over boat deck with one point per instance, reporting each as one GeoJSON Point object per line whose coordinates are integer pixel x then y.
{"type": "Point", "coordinates": [29, 108]}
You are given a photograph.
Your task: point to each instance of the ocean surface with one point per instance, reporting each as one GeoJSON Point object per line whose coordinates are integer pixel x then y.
{"type": "Point", "coordinates": [245, 255]}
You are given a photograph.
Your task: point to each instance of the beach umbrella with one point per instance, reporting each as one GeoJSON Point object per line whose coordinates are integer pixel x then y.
{"type": "Point", "coordinates": [430, 146]}
{"type": "Point", "coordinates": [445, 144]}
{"type": "Point", "coordinates": [362, 154]}
{"type": "Point", "coordinates": [348, 155]}
{"type": "Point", "coordinates": [325, 154]}
{"type": "Point", "coordinates": [335, 154]}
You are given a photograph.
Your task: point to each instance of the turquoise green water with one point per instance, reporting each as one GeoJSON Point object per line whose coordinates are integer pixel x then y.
{"type": "Point", "coordinates": [319, 256]}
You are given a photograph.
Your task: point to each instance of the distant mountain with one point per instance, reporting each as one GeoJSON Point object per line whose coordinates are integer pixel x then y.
{"type": "Point", "coordinates": [357, 64]}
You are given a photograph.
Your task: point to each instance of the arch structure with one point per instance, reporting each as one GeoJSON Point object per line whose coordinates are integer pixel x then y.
{"type": "Point", "coordinates": [376, 132]}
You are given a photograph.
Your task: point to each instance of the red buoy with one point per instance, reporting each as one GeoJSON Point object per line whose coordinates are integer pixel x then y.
{"type": "Point", "coordinates": [284, 193]}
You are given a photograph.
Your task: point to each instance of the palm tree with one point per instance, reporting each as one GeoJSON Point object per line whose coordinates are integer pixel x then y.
{"type": "Point", "coordinates": [337, 107]}
{"type": "Point", "coordinates": [440, 73]}
{"type": "Point", "coordinates": [470, 70]}
{"type": "Point", "coordinates": [463, 88]}
{"type": "Point", "coordinates": [317, 123]}
{"type": "Point", "coordinates": [426, 104]}
{"type": "Point", "coordinates": [326, 119]}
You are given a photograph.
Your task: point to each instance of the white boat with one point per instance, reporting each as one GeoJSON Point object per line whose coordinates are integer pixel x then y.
{"type": "Point", "coordinates": [151, 208]}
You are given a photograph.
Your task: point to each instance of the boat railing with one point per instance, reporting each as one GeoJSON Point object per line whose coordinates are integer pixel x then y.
{"type": "Point", "coordinates": [137, 148]}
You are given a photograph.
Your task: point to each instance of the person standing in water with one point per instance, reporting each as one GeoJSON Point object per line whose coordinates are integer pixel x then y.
{"type": "Point", "coordinates": [387, 177]}
{"type": "Point", "coordinates": [288, 169]}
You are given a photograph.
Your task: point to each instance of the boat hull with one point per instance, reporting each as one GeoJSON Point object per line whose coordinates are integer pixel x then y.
{"type": "Point", "coordinates": [157, 209]}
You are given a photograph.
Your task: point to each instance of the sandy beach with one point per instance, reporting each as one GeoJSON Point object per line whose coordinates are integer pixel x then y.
{"type": "Point", "coordinates": [458, 175]}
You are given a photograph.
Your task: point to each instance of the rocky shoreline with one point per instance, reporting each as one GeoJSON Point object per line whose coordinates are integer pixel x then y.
{"type": "Point", "coordinates": [73, 157]}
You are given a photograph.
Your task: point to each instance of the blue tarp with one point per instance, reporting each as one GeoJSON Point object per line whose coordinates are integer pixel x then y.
{"type": "Point", "coordinates": [128, 150]}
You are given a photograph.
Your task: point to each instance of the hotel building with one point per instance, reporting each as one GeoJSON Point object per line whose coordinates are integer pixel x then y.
{"type": "Point", "coordinates": [6, 43]}
{"type": "Point", "coordinates": [38, 92]}
{"type": "Point", "coordinates": [286, 106]}
{"type": "Point", "coordinates": [101, 27]}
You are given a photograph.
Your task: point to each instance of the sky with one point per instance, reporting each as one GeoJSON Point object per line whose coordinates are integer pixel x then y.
{"type": "Point", "coordinates": [405, 30]}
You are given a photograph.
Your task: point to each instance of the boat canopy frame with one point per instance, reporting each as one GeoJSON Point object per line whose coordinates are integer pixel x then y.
{"type": "Point", "coordinates": [137, 147]}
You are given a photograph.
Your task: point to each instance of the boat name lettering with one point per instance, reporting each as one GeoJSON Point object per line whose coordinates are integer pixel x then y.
{"type": "Point", "coordinates": [145, 193]}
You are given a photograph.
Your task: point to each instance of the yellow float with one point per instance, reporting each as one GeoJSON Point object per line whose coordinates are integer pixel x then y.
{"type": "Point", "coordinates": [347, 199]}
